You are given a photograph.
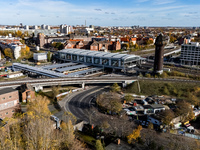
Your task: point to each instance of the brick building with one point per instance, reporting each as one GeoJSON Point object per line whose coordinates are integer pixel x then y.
{"type": "Point", "coordinates": [27, 93]}
{"type": "Point", "coordinates": [9, 102]}
{"type": "Point", "coordinates": [92, 45]}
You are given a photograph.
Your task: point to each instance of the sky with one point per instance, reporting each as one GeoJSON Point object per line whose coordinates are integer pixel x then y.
{"type": "Point", "coordinates": [101, 12]}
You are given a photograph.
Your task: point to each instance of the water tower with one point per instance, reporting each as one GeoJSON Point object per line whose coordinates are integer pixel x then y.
{"type": "Point", "coordinates": [159, 54]}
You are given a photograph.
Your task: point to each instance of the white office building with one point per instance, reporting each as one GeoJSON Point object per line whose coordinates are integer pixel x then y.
{"type": "Point", "coordinates": [26, 27]}
{"type": "Point", "coordinates": [190, 54]}
{"type": "Point", "coordinates": [16, 51]}
{"type": "Point", "coordinates": [43, 26]}
{"type": "Point", "coordinates": [35, 27]}
{"type": "Point", "coordinates": [40, 56]}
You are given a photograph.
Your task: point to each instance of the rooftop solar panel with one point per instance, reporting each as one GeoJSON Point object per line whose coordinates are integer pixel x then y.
{"type": "Point", "coordinates": [59, 65]}
{"type": "Point", "coordinates": [71, 68]}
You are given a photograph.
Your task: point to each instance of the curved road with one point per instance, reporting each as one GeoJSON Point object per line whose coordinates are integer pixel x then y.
{"type": "Point", "coordinates": [80, 105]}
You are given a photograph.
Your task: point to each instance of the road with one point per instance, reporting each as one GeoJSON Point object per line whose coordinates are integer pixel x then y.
{"type": "Point", "coordinates": [81, 104]}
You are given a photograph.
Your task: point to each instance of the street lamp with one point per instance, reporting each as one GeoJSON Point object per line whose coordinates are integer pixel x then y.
{"type": "Point", "coordinates": [90, 115]}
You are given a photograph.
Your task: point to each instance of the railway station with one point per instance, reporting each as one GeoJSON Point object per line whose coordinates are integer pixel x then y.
{"type": "Point", "coordinates": [100, 59]}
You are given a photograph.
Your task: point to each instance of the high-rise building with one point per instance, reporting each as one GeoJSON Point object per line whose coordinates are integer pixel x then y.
{"type": "Point", "coordinates": [61, 28]}
{"type": "Point", "coordinates": [65, 29]}
{"type": "Point", "coordinates": [35, 27]}
{"type": "Point", "coordinates": [48, 27]}
{"type": "Point", "coordinates": [190, 53]}
{"type": "Point", "coordinates": [159, 52]}
{"type": "Point", "coordinates": [26, 27]}
{"type": "Point", "coordinates": [43, 26]}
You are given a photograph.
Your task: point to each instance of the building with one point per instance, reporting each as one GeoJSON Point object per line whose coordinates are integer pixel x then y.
{"type": "Point", "coordinates": [65, 29]}
{"type": "Point", "coordinates": [40, 57]}
{"type": "Point", "coordinates": [35, 27]}
{"type": "Point", "coordinates": [103, 59]}
{"type": "Point", "coordinates": [48, 27]}
{"type": "Point", "coordinates": [27, 93]}
{"type": "Point", "coordinates": [14, 75]}
{"type": "Point", "coordinates": [16, 51]}
{"type": "Point", "coordinates": [41, 39]}
{"type": "Point", "coordinates": [13, 43]}
{"type": "Point", "coordinates": [26, 27]}
{"type": "Point", "coordinates": [9, 100]}
{"type": "Point", "coordinates": [43, 26]}
{"type": "Point", "coordinates": [159, 54]}
{"type": "Point", "coordinates": [190, 54]}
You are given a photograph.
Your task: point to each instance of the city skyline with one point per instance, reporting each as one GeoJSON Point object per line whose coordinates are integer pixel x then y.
{"type": "Point", "coordinates": [104, 13]}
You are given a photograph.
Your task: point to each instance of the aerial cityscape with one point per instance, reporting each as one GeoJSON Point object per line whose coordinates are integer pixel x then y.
{"type": "Point", "coordinates": [99, 75]}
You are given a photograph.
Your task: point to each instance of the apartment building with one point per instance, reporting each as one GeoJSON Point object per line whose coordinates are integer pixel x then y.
{"type": "Point", "coordinates": [9, 100]}
{"type": "Point", "coordinates": [190, 54]}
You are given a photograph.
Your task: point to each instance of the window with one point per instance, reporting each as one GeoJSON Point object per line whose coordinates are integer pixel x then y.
{"type": "Point", "coordinates": [13, 111]}
{"type": "Point", "coordinates": [6, 113]}
{"type": "Point", "coordinates": [68, 56]}
{"type": "Point", "coordinates": [89, 59]}
{"type": "Point", "coordinates": [3, 98]}
{"type": "Point", "coordinates": [81, 58]}
{"type": "Point", "coordinates": [10, 96]}
{"type": "Point", "coordinates": [105, 62]}
{"type": "Point", "coordinates": [74, 57]}
{"type": "Point", "coordinates": [96, 61]}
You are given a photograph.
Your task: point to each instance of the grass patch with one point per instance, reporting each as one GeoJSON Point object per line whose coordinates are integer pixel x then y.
{"type": "Point", "coordinates": [178, 89]}
{"type": "Point", "coordinates": [86, 138]}
{"type": "Point", "coordinates": [54, 111]}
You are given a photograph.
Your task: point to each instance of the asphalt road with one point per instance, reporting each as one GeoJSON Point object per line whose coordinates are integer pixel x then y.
{"type": "Point", "coordinates": [81, 104]}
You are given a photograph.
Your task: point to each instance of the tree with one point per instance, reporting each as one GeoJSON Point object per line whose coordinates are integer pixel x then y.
{"type": "Point", "coordinates": [115, 88]}
{"type": "Point", "coordinates": [99, 145]}
{"type": "Point", "coordinates": [166, 91]}
{"type": "Point", "coordinates": [115, 106]}
{"type": "Point", "coordinates": [49, 56]}
{"type": "Point", "coordinates": [136, 134]}
{"type": "Point", "coordinates": [167, 116]}
{"type": "Point", "coordinates": [164, 75]}
{"type": "Point", "coordinates": [184, 110]}
{"type": "Point", "coordinates": [8, 52]}
{"type": "Point", "coordinates": [34, 130]}
{"type": "Point", "coordinates": [148, 75]}
{"type": "Point", "coordinates": [128, 98]}
{"type": "Point", "coordinates": [150, 126]}
{"type": "Point", "coordinates": [25, 51]}
{"type": "Point", "coordinates": [55, 92]}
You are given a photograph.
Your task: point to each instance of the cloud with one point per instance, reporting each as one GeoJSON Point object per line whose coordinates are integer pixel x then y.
{"type": "Point", "coordinates": [160, 2]}
{"type": "Point", "coordinates": [65, 12]}
{"type": "Point", "coordinates": [193, 12]}
{"type": "Point", "coordinates": [98, 9]}
{"type": "Point", "coordinates": [142, 1]}
{"type": "Point", "coordinates": [42, 16]}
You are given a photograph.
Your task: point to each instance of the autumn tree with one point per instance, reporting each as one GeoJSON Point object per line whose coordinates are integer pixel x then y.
{"type": "Point", "coordinates": [25, 51]}
{"type": "Point", "coordinates": [110, 101]}
{"type": "Point", "coordinates": [99, 145]}
{"type": "Point", "coordinates": [115, 88]}
{"type": "Point", "coordinates": [133, 136]}
{"type": "Point", "coordinates": [167, 116]}
{"type": "Point", "coordinates": [184, 110]}
{"type": "Point", "coordinates": [8, 52]}
{"type": "Point", "coordinates": [49, 56]}
{"type": "Point", "coordinates": [128, 98]}
{"type": "Point", "coordinates": [55, 92]}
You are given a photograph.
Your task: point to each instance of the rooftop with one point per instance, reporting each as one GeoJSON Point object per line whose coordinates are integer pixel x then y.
{"type": "Point", "coordinates": [7, 90]}
{"type": "Point", "coordinates": [99, 54]}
